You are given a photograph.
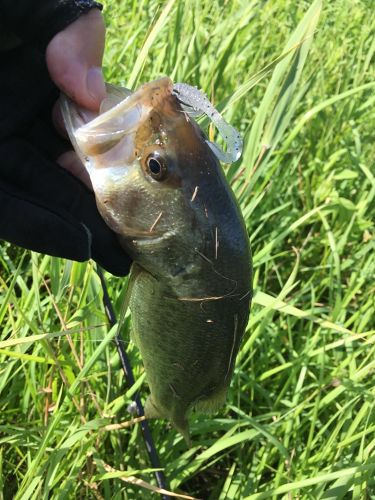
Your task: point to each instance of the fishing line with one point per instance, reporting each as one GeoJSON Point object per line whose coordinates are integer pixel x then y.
{"type": "Point", "coordinates": [130, 381]}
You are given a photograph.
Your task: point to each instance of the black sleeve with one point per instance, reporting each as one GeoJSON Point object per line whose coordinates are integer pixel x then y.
{"type": "Point", "coordinates": [45, 209]}
{"type": "Point", "coordinates": [39, 20]}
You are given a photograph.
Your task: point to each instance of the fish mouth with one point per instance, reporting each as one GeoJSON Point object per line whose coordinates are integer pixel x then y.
{"type": "Point", "coordinates": [120, 133]}
{"type": "Point", "coordinates": [125, 117]}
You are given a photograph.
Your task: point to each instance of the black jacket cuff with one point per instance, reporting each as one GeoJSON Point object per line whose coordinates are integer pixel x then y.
{"type": "Point", "coordinates": [39, 21]}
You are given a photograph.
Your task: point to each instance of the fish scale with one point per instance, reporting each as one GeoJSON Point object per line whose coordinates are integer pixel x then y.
{"type": "Point", "coordinates": [160, 187]}
{"type": "Point", "coordinates": [185, 356]}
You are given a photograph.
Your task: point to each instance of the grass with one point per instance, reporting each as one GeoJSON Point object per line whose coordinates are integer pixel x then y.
{"type": "Point", "coordinates": [300, 417]}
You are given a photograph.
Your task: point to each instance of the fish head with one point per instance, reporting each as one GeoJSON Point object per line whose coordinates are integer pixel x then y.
{"type": "Point", "coordinates": [146, 159]}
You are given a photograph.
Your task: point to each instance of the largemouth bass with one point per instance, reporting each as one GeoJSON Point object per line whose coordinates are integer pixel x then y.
{"type": "Point", "coordinates": [159, 185]}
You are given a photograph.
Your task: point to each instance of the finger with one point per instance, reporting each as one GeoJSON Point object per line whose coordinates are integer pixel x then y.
{"type": "Point", "coordinates": [58, 120]}
{"type": "Point", "coordinates": [73, 164]}
{"type": "Point", "coordinates": [74, 59]}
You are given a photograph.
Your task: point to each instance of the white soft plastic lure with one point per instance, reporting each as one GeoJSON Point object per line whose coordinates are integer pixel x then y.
{"type": "Point", "coordinates": [196, 103]}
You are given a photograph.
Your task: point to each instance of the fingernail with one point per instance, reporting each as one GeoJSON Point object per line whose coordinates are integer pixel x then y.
{"type": "Point", "coordinates": [95, 83]}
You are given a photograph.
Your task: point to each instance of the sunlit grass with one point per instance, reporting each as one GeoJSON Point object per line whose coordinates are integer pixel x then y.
{"type": "Point", "coordinates": [300, 418]}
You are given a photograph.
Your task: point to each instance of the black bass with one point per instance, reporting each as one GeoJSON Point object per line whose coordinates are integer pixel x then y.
{"type": "Point", "coordinates": [160, 187]}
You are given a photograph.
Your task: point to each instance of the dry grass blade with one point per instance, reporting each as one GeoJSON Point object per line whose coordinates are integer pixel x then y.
{"type": "Point", "coordinates": [123, 425]}
{"type": "Point", "coordinates": [143, 484]}
{"type": "Point", "coordinates": [44, 336]}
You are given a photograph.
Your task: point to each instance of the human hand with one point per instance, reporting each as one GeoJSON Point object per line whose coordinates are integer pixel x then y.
{"type": "Point", "coordinates": [44, 208]}
{"type": "Point", "coordinates": [74, 60]}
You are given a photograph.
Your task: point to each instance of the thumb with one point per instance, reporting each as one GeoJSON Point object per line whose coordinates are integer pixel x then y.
{"type": "Point", "coordinates": [74, 60]}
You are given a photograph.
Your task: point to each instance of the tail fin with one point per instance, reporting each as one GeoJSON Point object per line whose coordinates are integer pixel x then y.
{"type": "Point", "coordinates": [182, 426]}
{"type": "Point", "coordinates": [179, 422]}
{"type": "Point", "coordinates": [213, 402]}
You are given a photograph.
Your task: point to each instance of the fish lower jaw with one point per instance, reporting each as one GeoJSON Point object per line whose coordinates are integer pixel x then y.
{"type": "Point", "coordinates": [146, 241]}
{"type": "Point", "coordinates": [150, 238]}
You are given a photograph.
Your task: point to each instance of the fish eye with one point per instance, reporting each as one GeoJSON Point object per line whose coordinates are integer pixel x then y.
{"type": "Point", "coordinates": [156, 166]}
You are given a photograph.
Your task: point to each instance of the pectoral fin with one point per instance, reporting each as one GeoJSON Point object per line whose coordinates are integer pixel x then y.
{"type": "Point", "coordinates": [151, 410]}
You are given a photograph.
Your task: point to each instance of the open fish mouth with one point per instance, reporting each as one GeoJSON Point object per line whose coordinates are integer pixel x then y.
{"type": "Point", "coordinates": [122, 112]}
{"type": "Point", "coordinates": [125, 116]}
